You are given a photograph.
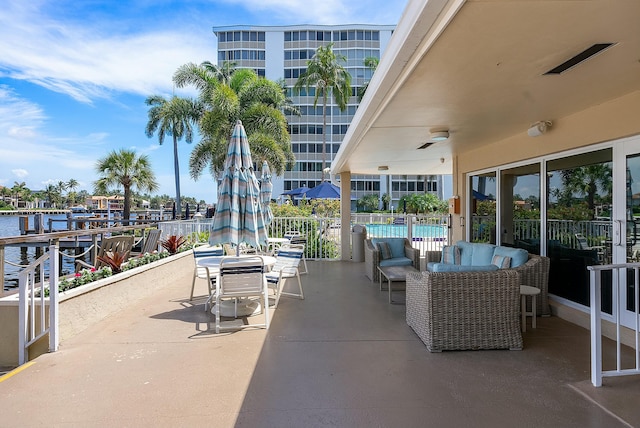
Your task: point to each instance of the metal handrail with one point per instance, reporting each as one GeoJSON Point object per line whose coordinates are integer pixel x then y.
{"type": "Point", "coordinates": [54, 237]}
{"type": "Point", "coordinates": [33, 301]}
{"type": "Point", "coordinates": [619, 272]}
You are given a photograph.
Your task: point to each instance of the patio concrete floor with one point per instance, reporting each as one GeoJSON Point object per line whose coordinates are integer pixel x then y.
{"type": "Point", "coordinates": [342, 357]}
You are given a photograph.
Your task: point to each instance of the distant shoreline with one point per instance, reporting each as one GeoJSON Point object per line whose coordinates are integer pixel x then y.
{"type": "Point", "coordinates": [34, 211]}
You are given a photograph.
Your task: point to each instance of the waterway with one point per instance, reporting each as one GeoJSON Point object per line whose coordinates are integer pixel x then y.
{"type": "Point", "coordinates": [9, 226]}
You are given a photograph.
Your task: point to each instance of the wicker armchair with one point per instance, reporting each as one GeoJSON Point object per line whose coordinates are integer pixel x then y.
{"type": "Point", "coordinates": [372, 258]}
{"type": "Point", "coordinates": [465, 310]}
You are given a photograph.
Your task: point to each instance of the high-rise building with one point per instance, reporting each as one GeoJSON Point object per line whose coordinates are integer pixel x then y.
{"type": "Point", "coordinates": [282, 52]}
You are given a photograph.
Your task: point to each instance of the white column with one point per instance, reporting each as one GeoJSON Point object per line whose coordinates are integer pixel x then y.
{"type": "Point", "coordinates": [345, 215]}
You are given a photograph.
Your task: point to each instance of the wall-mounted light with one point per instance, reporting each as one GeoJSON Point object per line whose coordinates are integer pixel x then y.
{"type": "Point", "coordinates": [439, 135]}
{"type": "Point", "coordinates": [383, 168]}
{"type": "Point", "coordinates": [539, 128]}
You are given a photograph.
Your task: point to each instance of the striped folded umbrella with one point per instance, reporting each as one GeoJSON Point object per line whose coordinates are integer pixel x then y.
{"type": "Point", "coordinates": [266, 188]}
{"type": "Point", "coordinates": [238, 217]}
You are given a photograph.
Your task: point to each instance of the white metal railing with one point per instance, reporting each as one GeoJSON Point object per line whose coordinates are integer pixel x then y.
{"type": "Point", "coordinates": [562, 231]}
{"type": "Point", "coordinates": [618, 281]}
{"type": "Point", "coordinates": [426, 232]}
{"type": "Point", "coordinates": [322, 234]}
{"type": "Point", "coordinates": [188, 228]}
{"type": "Point", "coordinates": [33, 322]}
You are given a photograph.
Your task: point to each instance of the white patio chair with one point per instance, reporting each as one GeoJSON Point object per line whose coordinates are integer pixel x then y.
{"type": "Point", "coordinates": [301, 240]}
{"type": "Point", "coordinates": [241, 277]}
{"type": "Point", "coordinates": [291, 233]}
{"type": "Point", "coordinates": [202, 272]}
{"type": "Point", "coordinates": [287, 262]}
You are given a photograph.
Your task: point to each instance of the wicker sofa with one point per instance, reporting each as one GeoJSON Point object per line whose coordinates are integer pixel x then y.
{"type": "Point", "coordinates": [535, 273]}
{"type": "Point", "coordinates": [465, 310]}
{"type": "Point", "coordinates": [408, 256]}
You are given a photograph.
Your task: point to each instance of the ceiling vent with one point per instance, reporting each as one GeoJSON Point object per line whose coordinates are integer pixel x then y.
{"type": "Point", "coordinates": [581, 57]}
{"type": "Point", "coordinates": [425, 145]}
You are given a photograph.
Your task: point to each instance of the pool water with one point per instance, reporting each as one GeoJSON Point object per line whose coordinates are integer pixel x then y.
{"type": "Point", "coordinates": [400, 230]}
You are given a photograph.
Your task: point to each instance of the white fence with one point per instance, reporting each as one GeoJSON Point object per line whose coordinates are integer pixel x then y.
{"type": "Point", "coordinates": [426, 232]}
{"type": "Point", "coordinates": [33, 321]}
{"type": "Point", "coordinates": [322, 234]}
{"type": "Point", "coordinates": [188, 228]}
{"type": "Point", "coordinates": [618, 272]}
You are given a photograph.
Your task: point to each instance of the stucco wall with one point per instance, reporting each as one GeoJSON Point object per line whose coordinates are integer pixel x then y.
{"type": "Point", "coordinates": [609, 121]}
{"type": "Point", "coordinates": [86, 305]}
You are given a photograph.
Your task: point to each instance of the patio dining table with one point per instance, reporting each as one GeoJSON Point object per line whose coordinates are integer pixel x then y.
{"type": "Point", "coordinates": [244, 307]}
{"type": "Point", "coordinates": [213, 262]}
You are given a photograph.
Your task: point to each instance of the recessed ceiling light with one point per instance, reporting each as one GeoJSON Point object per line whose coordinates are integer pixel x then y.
{"type": "Point", "coordinates": [439, 136]}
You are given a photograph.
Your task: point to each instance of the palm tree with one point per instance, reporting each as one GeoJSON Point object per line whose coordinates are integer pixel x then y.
{"type": "Point", "coordinates": [256, 101]}
{"type": "Point", "coordinates": [586, 181]}
{"type": "Point", "coordinates": [51, 194]}
{"type": "Point", "coordinates": [173, 117]}
{"type": "Point", "coordinates": [20, 191]}
{"type": "Point", "coordinates": [326, 73]}
{"type": "Point", "coordinates": [71, 185]}
{"type": "Point", "coordinates": [371, 62]}
{"type": "Point", "coordinates": [222, 73]}
{"type": "Point", "coordinates": [124, 168]}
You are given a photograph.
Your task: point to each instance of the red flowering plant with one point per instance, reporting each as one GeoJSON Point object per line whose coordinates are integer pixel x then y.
{"type": "Point", "coordinates": [173, 243]}
{"type": "Point", "coordinates": [114, 260]}
{"type": "Point", "coordinates": [85, 276]}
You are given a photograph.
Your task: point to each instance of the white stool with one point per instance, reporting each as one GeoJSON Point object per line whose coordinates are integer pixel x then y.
{"type": "Point", "coordinates": [526, 290]}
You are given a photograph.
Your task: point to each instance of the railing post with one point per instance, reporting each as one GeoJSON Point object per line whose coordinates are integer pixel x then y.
{"type": "Point", "coordinates": [596, 334]}
{"type": "Point", "coordinates": [54, 275]}
{"type": "Point", "coordinates": [22, 320]}
{"type": "Point", "coordinates": [2, 268]}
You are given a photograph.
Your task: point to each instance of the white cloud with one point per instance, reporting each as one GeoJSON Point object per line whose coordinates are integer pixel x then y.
{"type": "Point", "coordinates": [327, 12]}
{"type": "Point", "coordinates": [26, 152]}
{"type": "Point", "coordinates": [20, 173]}
{"type": "Point", "coordinates": [90, 62]}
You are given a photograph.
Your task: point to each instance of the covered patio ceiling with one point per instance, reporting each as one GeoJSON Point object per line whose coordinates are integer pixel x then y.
{"type": "Point", "coordinates": [477, 68]}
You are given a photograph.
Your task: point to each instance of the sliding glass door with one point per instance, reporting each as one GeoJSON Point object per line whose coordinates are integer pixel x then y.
{"type": "Point", "coordinates": [625, 237]}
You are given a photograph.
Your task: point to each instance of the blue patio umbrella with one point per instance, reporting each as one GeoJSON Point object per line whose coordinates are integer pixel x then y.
{"type": "Point", "coordinates": [480, 196]}
{"type": "Point", "coordinates": [238, 218]}
{"type": "Point", "coordinates": [297, 192]}
{"type": "Point", "coordinates": [324, 190]}
{"type": "Point", "coordinates": [266, 188]}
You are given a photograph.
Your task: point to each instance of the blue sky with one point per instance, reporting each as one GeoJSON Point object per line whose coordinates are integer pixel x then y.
{"type": "Point", "coordinates": [74, 76]}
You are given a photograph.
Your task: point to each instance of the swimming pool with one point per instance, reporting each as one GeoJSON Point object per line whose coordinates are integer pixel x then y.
{"type": "Point", "coordinates": [419, 231]}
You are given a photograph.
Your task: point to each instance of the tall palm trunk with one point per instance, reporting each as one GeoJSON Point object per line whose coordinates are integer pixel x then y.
{"type": "Point", "coordinates": [177, 172]}
{"type": "Point", "coordinates": [126, 212]}
{"type": "Point", "coordinates": [324, 132]}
